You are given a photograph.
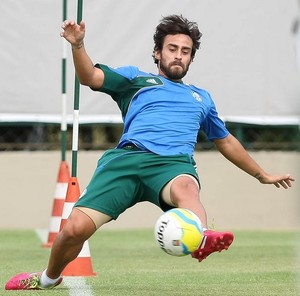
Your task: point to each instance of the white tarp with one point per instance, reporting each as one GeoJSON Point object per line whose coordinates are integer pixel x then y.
{"type": "Point", "coordinates": [247, 56]}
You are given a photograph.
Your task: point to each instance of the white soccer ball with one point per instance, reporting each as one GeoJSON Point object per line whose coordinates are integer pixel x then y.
{"type": "Point", "coordinates": [178, 232]}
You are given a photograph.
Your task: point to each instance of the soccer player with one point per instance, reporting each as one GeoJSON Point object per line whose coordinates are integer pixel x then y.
{"type": "Point", "coordinates": [154, 157]}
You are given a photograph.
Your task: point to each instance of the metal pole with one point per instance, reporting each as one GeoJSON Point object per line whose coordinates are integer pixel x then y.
{"type": "Point", "coordinates": [76, 107]}
{"type": "Point", "coordinates": [64, 91]}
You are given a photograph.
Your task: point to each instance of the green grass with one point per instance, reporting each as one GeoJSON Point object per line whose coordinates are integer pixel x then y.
{"type": "Point", "coordinates": [130, 263]}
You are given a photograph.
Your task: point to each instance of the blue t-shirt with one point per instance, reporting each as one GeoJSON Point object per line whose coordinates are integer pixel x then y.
{"type": "Point", "coordinates": [161, 115]}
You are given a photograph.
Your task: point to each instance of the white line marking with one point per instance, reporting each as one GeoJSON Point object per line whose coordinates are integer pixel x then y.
{"type": "Point", "coordinates": [77, 286]}
{"type": "Point", "coordinates": [42, 234]}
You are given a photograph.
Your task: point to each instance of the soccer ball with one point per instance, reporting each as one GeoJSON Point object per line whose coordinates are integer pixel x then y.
{"type": "Point", "coordinates": [178, 232]}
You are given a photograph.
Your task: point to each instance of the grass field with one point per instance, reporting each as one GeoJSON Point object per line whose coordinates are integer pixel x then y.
{"type": "Point", "coordinates": [130, 263]}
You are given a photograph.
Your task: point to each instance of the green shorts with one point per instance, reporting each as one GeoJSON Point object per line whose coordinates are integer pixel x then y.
{"type": "Point", "coordinates": [127, 176]}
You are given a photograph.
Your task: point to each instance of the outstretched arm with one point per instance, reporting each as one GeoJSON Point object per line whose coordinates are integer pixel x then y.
{"type": "Point", "coordinates": [232, 149]}
{"type": "Point", "coordinates": [85, 70]}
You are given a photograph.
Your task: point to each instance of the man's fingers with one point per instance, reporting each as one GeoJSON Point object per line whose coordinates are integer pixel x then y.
{"type": "Point", "coordinates": [285, 183]}
{"type": "Point", "coordinates": [67, 23]}
{"type": "Point", "coordinates": [276, 184]}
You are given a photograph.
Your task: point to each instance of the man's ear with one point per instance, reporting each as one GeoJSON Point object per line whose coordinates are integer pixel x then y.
{"type": "Point", "coordinates": [157, 55]}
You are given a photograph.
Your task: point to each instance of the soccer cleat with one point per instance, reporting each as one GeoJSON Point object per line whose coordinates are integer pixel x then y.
{"type": "Point", "coordinates": [28, 281]}
{"type": "Point", "coordinates": [213, 241]}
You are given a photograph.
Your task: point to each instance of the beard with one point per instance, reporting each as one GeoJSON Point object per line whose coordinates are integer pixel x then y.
{"type": "Point", "coordinates": [173, 71]}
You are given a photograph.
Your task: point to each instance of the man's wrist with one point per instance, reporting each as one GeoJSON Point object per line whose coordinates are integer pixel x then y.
{"type": "Point", "coordinates": [78, 45]}
{"type": "Point", "coordinates": [258, 176]}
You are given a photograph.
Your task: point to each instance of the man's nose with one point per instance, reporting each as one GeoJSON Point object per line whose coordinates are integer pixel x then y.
{"type": "Point", "coordinates": [178, 55]}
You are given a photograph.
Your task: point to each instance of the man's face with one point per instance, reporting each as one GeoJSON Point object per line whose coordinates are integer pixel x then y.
{"type": "Point", "coordinates": [175, 57]}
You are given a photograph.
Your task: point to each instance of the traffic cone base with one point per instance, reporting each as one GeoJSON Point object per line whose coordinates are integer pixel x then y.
{"type": "Point", "coordinates": [81, 266]}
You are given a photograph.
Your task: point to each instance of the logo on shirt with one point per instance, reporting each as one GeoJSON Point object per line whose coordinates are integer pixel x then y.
{"type": "Point", "coordinates": [152, 81]}
{"type": "Point", "coordinates": [196, 96]}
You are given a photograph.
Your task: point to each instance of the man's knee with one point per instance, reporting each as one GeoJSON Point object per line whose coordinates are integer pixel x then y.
{"type": "Point", "coordinates": [79, 227]}
{"type": "Point", "coordinates": [181, 187]}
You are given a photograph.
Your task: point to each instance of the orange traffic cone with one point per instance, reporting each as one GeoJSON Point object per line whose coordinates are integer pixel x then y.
{"type": "Point", "coordinates": [58, 202]}
{"type": "Point", "coordinates": [82, 265]}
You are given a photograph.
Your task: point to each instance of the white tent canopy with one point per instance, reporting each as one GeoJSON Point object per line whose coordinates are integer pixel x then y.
{"type": "Point", "coordinates": [246, 61]}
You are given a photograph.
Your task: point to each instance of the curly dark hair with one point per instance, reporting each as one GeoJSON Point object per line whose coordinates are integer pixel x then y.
{"type": "Point", "coordinates": [172, 25]}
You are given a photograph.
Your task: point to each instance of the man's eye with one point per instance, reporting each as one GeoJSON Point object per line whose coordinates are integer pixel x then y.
{"type": "Point", "coordinates": [187, 51]}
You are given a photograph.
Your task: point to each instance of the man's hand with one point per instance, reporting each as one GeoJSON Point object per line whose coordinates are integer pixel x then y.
{"type": "Point", "coordinates": [73, 33]}
{"type": "Point", "coordinates": [284, 181]}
